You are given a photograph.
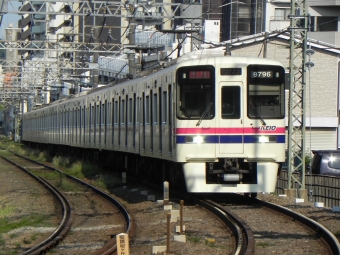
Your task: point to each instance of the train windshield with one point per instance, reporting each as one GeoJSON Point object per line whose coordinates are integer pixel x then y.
{"type": "Point", "coordinates": [266, 92]}
{"type": "Point", "coordinates": [195, 92]}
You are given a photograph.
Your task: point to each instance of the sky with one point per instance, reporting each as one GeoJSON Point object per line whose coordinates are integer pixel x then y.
{"type": "Point", "coordinates": [9, 18]}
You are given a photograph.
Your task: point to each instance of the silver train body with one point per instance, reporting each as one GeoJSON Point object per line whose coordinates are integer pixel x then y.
{"type": "Point", "coordinates": [220, 118]}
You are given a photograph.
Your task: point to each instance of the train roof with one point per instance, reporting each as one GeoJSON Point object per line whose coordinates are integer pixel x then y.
{"type": "Point", "coordinates": [200, 57]}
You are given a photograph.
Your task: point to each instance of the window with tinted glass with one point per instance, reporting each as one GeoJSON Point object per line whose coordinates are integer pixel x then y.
{"type": "Point", "coordinates": [195, 92]}
{"type": "Point", "coordinates": [334, 161]}
{"type": "Point", "coordinates": [230, 102]}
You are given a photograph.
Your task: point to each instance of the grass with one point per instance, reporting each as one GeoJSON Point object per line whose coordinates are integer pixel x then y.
{"type": "Point", "coordinates": [13, 235]}
{"type": "Point", "coordinates": [263, 244]}
{"type": "Point", "coordinates": [73, 167]}
{"type": "Point", "coordinates": [7, 225]}
{"type": "Point", "coordinates": [27, 241]}
{"type": "Point", "coordinates": [6, 211]}
{"type": "Point", "coordinates": [34, 236]}
{"type": "Point", "coordinates": [194, 239]}
{"type": "Point", "coordinates": [67, 185]}
{"type": "Point", "coordinates": [2, 241]}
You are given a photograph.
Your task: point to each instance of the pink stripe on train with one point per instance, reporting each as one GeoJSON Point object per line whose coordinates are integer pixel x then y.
{"type": "Point", "coordinates": [240, 130]}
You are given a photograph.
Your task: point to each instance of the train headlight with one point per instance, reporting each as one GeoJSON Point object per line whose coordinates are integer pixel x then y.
{"type": "Point", "coordinates": [198, 139]}
{"type": "Point", "coordinates": [263, 139]}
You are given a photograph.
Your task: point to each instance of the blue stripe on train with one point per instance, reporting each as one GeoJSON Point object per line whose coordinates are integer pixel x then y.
{"type": "Point", "coordinates": [231, 139]}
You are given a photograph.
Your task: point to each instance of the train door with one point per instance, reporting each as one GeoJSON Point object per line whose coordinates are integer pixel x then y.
{"type": "Point", "coordinates": [126, 124]}
{"type": "Point", "coordinates": [147, 117]}
{"type": "Point", "coordinates": [130, 122]}
{"type": "Point", "coordinates": [97, 124]}
{"type": "Point", "coordinates": [230, 118]}
{"type": "Point", "coordinates": [136, 121]}
{"type": "Point", "coordinates": [105, 123]}
{"type": "Point", "coordinates": [155, 122]}
{"type": "Point", "coordinates": [116, 126]}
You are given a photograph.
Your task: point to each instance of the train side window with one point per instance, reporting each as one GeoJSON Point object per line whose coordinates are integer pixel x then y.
{"type": "Point", "coordinates": [164, 107]}
{"type": "Point", "coordinates": [230, 102]}
{"type": "Point", "coordinates": [155, 109]}
{"type": "Point", "coordinates": [116, 113]}
{"type": "Point", "coordinates": [101, 115]}
{"type": "Point", "coordinates": [130, 116]}
{"type": "Point", "coordinates": [147, 110]}
{"type": "Point", "coordinates": [122, 108]}
{"type": "Point", "coordinates": [98, 115]}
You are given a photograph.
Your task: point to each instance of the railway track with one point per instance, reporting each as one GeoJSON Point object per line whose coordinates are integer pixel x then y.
{"type": "Point", "coordinates": [242, 235]}
{"type": "Point", "coordinates": [258, 227]}
{"type": "Point", "coordinates": [93, 222]}
{"type": "Point", "coordinates": [283, 228]}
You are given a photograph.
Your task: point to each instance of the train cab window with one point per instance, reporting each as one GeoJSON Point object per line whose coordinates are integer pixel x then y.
{"type": "Point", "coordinates": [266, 92]}
{"type": "Point", "coordinates": [230, 102]}
{"type": "Point", "coordinates": [195, 92]}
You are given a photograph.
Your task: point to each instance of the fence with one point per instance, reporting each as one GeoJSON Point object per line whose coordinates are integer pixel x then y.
{"type": "Point", "coordinates": [320, 188]}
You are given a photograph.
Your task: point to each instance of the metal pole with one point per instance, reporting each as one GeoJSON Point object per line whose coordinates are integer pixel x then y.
{"type": "Point", "coordinates": [132, 41]}
{"type": "Point", "coordinates": [168, 217]}
{"type": "Point", "coordinates": [296, 122]}
{"type": "Point", "coordinates": [181, 217]}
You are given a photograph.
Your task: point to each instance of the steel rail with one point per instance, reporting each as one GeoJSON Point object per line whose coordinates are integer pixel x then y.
{"type": "Point", "coordinates": [110, 247]}
{"type": "Point", "coordinates": [242, 234]}
{"type": "Point", "coordinates": [67, 216]}
{"type": "Point", "coordinates": [328, 238]}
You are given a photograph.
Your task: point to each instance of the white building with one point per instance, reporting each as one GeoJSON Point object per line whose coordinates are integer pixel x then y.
{"type": "Point", "coordinates": [322, 88]}
{"type": "Point", "coordinates": [324, 18]}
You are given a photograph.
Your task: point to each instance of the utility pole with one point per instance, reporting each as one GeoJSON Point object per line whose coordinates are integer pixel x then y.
{"type": "Point", "coordinates": [296, 123]}
{"type": "Point", "coordinates": [132, 41]}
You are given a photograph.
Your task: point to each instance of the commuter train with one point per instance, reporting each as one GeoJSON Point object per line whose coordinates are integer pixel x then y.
{"type": "Point", "coordinates": [215, 121]}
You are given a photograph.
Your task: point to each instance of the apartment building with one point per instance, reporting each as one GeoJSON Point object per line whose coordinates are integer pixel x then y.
{"type": "Point", "coordinates": [324, 18]}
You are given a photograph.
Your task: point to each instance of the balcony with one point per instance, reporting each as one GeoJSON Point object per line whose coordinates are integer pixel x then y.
{"type": "Point", "coordinates": [24, 21]}
{"type": "Point", "coordinates": [281, 1]}
{"type": "Point", "coordinates": [331, 37]}
{"type": "Point", "coordinates": [277, 24]}
{"type": "Point", "coordinates": [323, 3]}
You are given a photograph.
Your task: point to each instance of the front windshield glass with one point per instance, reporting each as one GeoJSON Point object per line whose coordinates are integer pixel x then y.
{"type": "Point", "coordinates": [195, 92]}
{"type": "Point", "coordinates": [265, 92]}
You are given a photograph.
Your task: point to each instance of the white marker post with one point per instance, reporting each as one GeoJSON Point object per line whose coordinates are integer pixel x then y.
{"type": "Point", "coordinates": [123, 247]}
{"type": "Point", "coordinates": [124, 177]}
{"type": "Point", "coordinates": [166, 193]}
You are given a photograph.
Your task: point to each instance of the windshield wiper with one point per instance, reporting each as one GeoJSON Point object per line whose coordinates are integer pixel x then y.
{"type": "Point", "coordinates": [253, 108]}
{"type": "Point", "coordinates": [204, 113]}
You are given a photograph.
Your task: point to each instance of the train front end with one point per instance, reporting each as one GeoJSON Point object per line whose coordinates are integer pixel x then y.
{"type": "Point", "coordinates": [230, 129]}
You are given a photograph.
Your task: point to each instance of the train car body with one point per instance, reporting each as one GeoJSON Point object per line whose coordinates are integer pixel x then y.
{"type": "Point", "coordinates": [220, 118]}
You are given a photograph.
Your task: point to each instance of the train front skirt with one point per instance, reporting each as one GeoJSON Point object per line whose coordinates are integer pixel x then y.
{"type": "Point", "coordinates": [195, 175]}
